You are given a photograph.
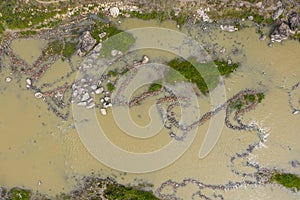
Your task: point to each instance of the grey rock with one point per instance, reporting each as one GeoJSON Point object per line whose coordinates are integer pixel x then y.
{"type": "Point", "coordinates": [294, 21]}
{"type": "Point", "coordinates": [277, 13]}
{"type": "Point", "coordinates": [262, 37]}
{"type": "Point", "coordinates": [228, 28]}
{"type": "Point", "coordinates": [281, 32]}
{"type": "Point", "coordinates": [85, 97]}
{"type": "Point", "coordinates": [86, 43]}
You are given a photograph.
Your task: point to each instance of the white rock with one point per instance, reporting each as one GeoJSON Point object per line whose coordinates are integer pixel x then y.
{"type": "Point", "coordinates": [114, 52]}
{"type": "Point", "coordinates": [38, 95]}
{"type": "Point", "coordinates": [8, 79]}
{"type": "Point", "coordinates": [114, 12]}
{"type": "Point", "coordinates": [228, 28]}
{"type": "Point", "coordinates": [28, 81]}
{"type": "Point", "coordinates": [106, 98]}
{"type": "Point", "coordinates": [92, 105]}
{"type": "Point", "coordinates": [145, 59]}
{"type": "Point", "coordinates": [85, 97]}
{"type": "Point", "coordinates": [295, 112]}
{"type": "Point", "coordinates": [99, 90]}
{"type": "Point", "coordinates": [103, 111]}
{"type": "Point", "coordinates": [102, 35]}
{"type": "Point", "coordinates": [106, 104]}
{"type": "Point", "coordinates": [94, 87]}
{"type": "Point", "coordinates": [81, 104]}
{"type": "Point", "coordinates": [75, 93]}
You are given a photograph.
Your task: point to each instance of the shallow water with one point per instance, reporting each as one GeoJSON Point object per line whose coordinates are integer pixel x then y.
{"type": "Point", "coordinates": [37, 146]}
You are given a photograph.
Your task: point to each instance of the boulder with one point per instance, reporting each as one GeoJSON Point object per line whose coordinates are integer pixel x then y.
{"type": "Point", "coordinates": [86, 43]}
{"type": "Point", "coordinates": [277, 13]}
{"type": "Point", "coordinates": [99, 90]}
{"type": "Point", "coordinates": [281, 32]}
{"type": "Point", "coordinates": [103, 111]}
{"type": "Point", "coordinates": [114, 12]}
{"type": "Point", "coordinates": [294, 21]}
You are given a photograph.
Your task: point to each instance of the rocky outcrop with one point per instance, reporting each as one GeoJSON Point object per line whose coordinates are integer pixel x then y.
{"type": "Point", "coordinates": [281, 32]}
{"type": "Point", "coordinates": [86, 43]}
{"type": "Point", "coordinates": [286, 29]}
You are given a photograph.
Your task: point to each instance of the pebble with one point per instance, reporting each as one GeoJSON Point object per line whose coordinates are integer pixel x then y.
{"type": "Point", "coordinates": [99, 90]}
{"type": "Point", "coordinates": [295, 112]}
{"type": "Point", "coordinates": [114, 52]}
{"type": "Point", "coordinates": [8, 79]}
{"type": "Point", "coordinates": [38, 95]}
{"type": "Point", "coordinates": [103, 111]}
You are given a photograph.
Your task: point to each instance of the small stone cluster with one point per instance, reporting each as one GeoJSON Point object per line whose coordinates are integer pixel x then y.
{"type": "Point", "coordinates": [84, 92]}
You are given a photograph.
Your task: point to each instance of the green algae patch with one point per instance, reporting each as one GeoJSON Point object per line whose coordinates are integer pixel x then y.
{"type": "Point", "coordinates": [121, 192]}
{"type": "Point", "coordinates": [19, 194]}
{"type": "Point", "coordinates": [180, 18]}
{"type": "Point", "coordinates": [204, 75]}
{"type": "Point", "coordinates": [287, 180]}
{"type": "Point", "coordinates": [224, 68]}
{"type": "Point", "coordinates": [154, 87]}
{"type": "Point", "coordinates": [121, 42]}
{"type": "Point", "coordinates": [246, 100]}
{"type": "Point", "coordinates": [110, 87]}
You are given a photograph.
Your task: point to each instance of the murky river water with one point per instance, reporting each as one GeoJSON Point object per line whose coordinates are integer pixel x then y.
{"type": "Point", "coordinates": [36, 146]}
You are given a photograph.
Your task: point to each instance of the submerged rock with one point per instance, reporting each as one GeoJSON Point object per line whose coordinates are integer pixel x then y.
{"type": "Point", "coordinates": [38, 95]}
{"type": "Point", "coordinates": [103, 111]}
{"type": "Point", "coordinates": [86, 43]}
{"type": "Point", "coordinates": [228, 28]}
{"type": "Point", "coordinates": [8, 79]}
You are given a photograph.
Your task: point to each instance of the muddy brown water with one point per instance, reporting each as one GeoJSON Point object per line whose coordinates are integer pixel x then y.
{"type": "Point", "coordinates": [37, 146]}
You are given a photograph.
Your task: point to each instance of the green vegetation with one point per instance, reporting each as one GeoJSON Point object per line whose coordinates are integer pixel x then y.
{"type": "Point", "coordinates": [248, 99]}
{"type": "Point", "coordinates": [2, 29]}
{"type": "Point", "coordinates": [20, 15]}
{"type": "Point", "coordinates": [110, 87]}
{"type": "Point", "coordinates": [225, 68]}
{"type": "Point", "coordinates": [58, 47]}
{"type": "Point", "coordinates": [27, 33]}
{"type": "Point", "coordinates": [19, 194]}
{"type": "Point", "coordinates": [121, 192]}
{"type": "Point", "coordinates": [297, 36]}
{"type": "Point", "coordinates": [191, 69]}
{"type": "Point", "coordinates": [113, 73]}
{"type": "Point", "coordinates": [120, 42]}
{"type": "Point", "coordinates": [69, 49]}
{"type": "Point", "coordinates": [54, 48]}
{"type": "Point", "coordinates": [154, 87]}
{"type": "Point", "coordinates": [287, 180]}
{"type": "Point", "coordinates": [232, 13]}
{"type": "Point", "coordinates": [180, 18]}
{"type": "Point", "coordinates": [100, 27]}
